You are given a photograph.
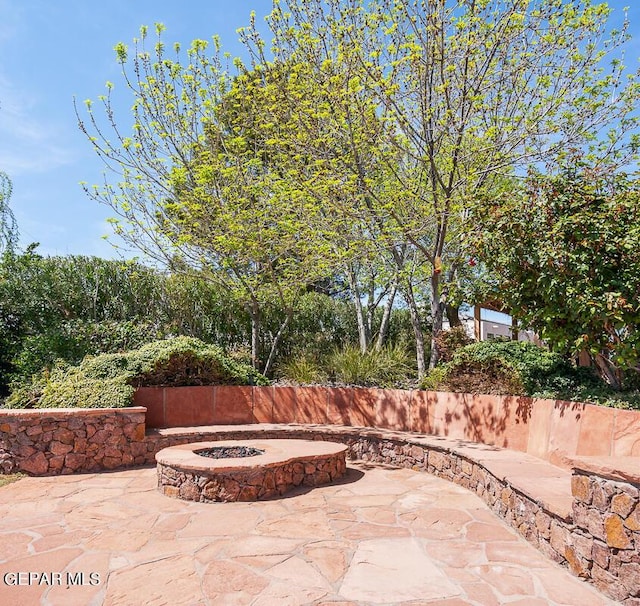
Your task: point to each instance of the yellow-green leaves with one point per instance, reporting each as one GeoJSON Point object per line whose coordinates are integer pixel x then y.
{"type": "Point", "coordinates": [121, 52]}
{"type": "Point", "coordinates": [361, 137]}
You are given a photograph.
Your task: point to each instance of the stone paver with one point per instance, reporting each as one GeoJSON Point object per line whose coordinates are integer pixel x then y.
{"type": "Point", "coordinates": [378, 536]}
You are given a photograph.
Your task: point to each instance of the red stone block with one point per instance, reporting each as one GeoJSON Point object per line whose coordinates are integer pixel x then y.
{"type": "Point", "coordinates": [74, 461]}
{"type": "Point", "coordinates": [56, 464]}
{"type": "Point", "coordinates": [188, 406]}
{"type": "Point", "coordinates": [596, 431]}
{"type": "Point", "coordinates": [263, 404]}
{"type": "Point", "coordinates": [64, 435]}
{"type": "Point", "coordinates": [233, 405]}
{"type": "Point", "coordinates": [392, 409]}
{"type": "Point", "coordinates": [35, 465]}
{"type": "Point", "coordinates": [284, 405]}
{"type": "Point", "coordinates": [311, 405]}
{"type": "Point", "coordinates": [152, 398]}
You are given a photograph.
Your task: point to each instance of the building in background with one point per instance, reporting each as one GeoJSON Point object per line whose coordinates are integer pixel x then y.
{"type": "Point", "coordinates": [484, 324]}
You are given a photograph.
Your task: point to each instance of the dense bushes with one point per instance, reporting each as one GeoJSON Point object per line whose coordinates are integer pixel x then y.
{"type": "Point", "coordinates": [68, 307]}
{"type": "Point", "coordinates": [565, 253]}
{"type": "Point", "coordinates": [109, 380]}
{"type": "Point", "coordinates": [512, 366]}
{"type": "Point", "coordinates": [64, 308]}
{"type": "Point", "coordinates": [449, 341]}
{"type": "Point", "coordinates": [56, 311]}
{"type": "Point", "coordinates": [520, 368]}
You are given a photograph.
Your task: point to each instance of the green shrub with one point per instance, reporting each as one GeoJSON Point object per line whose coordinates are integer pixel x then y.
{"type": "Point", "coordinates": [521, 368]}
{"type": "Point", "coordinates": [72, 340]}
{"type": "Point", "coordinates": [386, 367]}
{"type": "Point", "coordinates": [503, 367]}
{"type": "Point", "coordinates": [450, 341]}
{"type": "Point", "coordinates": [109, 380]}
{"type": "Point", "coordinates": [70, 307]}
{"type": "Point", "coordinates": [434, 380]}
{"type": "Point", "coordinates": [470, 373]}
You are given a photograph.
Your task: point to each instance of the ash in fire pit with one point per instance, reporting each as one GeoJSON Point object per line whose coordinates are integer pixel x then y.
{"type": "Point", "coordinates": [229, 452]}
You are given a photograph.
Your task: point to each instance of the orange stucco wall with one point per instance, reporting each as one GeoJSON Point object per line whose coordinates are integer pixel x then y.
{"type": "Point", "coordinates": [550, 429]}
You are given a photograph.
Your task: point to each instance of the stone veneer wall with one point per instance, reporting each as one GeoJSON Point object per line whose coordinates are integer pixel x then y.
{"type": "Point", "coordinates": [251, 483]}
{"type": "Point", "coordinates": [605, 540]}
{"type": "Point", "coordinates": [62, 441]}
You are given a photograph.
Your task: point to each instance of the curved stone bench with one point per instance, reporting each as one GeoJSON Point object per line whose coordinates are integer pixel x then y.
{"type": "Point", "coordinates": [585, 520]}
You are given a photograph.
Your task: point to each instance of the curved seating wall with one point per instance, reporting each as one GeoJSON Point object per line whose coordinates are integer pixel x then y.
{"type": "Point", "coordinates": [552, 430]}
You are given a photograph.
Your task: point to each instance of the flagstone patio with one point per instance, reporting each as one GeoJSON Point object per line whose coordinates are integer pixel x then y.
{"type": "Point", "coordinates": [378, 536]}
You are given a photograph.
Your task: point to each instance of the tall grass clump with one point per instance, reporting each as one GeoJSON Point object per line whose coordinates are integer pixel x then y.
{"type": "Point", "coordinates": [303, 369]}
{"type": "Point", "coordinates": [385, 367]}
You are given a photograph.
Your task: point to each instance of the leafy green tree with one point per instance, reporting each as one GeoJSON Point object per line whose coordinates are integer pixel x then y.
{"type": "Point", "coordinates": [565, 251]}
{"type": "Point", "coordinates": [468, 91]}
{"type": "Point", "coordinates": [395, 115]}
{"type": "Point", "coordinates": [326, 137]}
{"type": "Point", "coordinates": [198, 189]}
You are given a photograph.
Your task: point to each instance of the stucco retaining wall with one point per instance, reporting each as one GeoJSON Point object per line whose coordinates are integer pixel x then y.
{"type": "Point", "coordinates": [553, 430]}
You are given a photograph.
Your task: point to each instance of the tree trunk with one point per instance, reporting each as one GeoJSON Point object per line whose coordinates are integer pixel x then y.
{"type": "Point", "coordinates": [275, 343]}
{"type": "Point", "coordinates": [386, 317]}
{"type": "Point", "coordinates": [436, 316]}
{"type": "Point", "coordinates": [610, 374]}
{"type": "Point", "coordinates": [453, 315]}
{"type": "Point", "coordinates": [254, 312]}
{"type": "Point", "coordinates": [364, 337]}
{"type": "Point", "coordinates": [417, 330]}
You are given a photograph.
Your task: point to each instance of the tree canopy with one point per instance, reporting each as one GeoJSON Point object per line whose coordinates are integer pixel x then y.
{"type": "Point", "coordinates": [357, 141]}
{"type": "Point", "coordinates": [470, 91]}
{"type": "Point", "coordinates": [566, 254]}
{"type": "Point", "coordinates": [198, 188]}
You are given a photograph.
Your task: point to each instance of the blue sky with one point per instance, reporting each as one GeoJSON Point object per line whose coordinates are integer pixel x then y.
{"type": "Point", "coordinates": [53, 50]}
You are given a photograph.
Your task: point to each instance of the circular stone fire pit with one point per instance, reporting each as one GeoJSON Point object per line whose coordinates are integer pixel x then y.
{"type": "Point", "coordinates": [248, 471]}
